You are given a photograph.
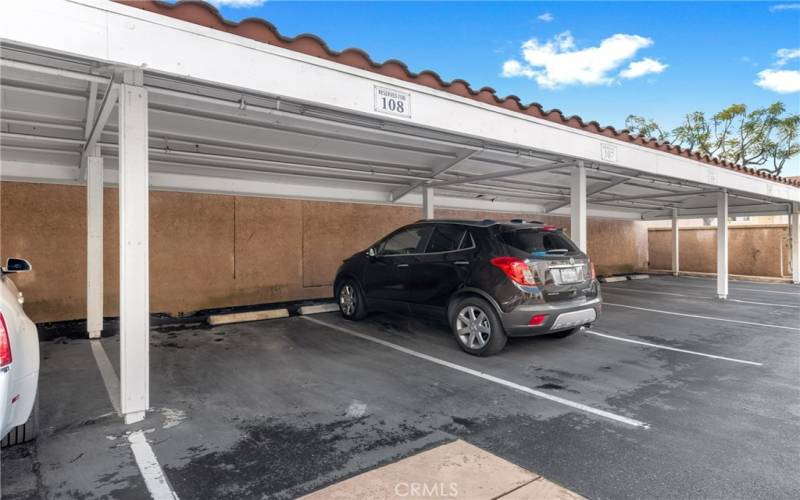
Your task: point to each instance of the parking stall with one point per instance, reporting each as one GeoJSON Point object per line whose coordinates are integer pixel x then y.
{"type": "Point", "coordinates": [251, 131]}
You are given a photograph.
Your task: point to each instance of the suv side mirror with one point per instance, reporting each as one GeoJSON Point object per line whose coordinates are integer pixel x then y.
{"type": "Point", "coordinates": [16, 266]}
{"type": "Point", "coordinates": [371, 253]}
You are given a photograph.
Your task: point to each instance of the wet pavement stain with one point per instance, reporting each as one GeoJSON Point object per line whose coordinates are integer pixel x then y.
{"type": "Point", "coordinates": [273, 457]}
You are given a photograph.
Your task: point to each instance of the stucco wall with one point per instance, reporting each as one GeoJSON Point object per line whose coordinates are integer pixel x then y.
{"type": "Point", "coordinates": [214, 251]}
{"type": "Point", "coordinates": [752, 250]}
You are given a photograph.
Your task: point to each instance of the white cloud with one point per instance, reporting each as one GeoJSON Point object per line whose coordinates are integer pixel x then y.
{"type": "Point", "coordinates": [786, 55]}
{"type": "Point", "coordinates": [778, 79]}
{"type": "Point", "coordinates": [644, 67]}
{"type": "Point", "coordinates": [784, 6]}
{"type": "Point", "coordinates": [546, 17]}
{"type": "Point", "coordinates": [237, 3]}
{"type": "Point", "coordinates": [782, 81]}
{"type": "Point", "coordinates": [558, 62]}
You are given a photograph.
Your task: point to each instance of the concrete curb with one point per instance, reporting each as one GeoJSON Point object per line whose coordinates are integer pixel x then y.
{"type": "Point", "coordinates": [612, 279]}
{"type": "Point", "coordinates": [319, 308]}
{"type": "Point", "coordinates": [225, 319]}
{"type": "Point", "coordinates": [639, 276]}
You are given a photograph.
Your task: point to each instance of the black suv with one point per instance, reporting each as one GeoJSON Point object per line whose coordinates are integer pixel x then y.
{"type": "Point", "coordinates": [488, 279]}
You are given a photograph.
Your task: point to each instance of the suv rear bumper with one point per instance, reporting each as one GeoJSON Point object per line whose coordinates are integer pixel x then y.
{"type": "Point", "coordinates": [569, 314]}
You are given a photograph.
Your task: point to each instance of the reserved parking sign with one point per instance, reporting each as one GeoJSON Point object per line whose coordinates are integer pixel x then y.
{"type": "Point", "coordinates": [392, 102]}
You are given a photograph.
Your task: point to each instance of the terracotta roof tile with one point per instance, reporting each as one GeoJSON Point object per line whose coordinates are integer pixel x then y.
{"type": "Point", "coordinates": [259, 29]}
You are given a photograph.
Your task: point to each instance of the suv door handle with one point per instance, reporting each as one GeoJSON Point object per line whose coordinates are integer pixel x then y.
{"type": "Point", "coordinates": [461, 262]}
{"type": "Point", "coordinates": [402, 265]}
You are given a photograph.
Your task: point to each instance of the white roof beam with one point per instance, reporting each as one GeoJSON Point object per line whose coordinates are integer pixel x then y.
{"type": "Point", "coordinates": [109, 101]}
{"type": "Point", "coordinates": [48, 70]}
{"type": "Point", "coordinates": [460, 158]}
{"type": "Point", "coordinates": [504, 173]}
{"type": "Point", "coordinates": [663, 195]}
{"type": "Point", "coordinates": [91, 104]}
{"type": "Point", "coordinates": [591, 191]}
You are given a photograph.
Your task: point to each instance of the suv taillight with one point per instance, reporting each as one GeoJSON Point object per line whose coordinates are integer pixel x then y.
{"type": "Point", "coordinates": [516, 269]}
{"type": "Point", "coordinates": [591, 270]}
{"type": "Point", "coordinates": [5, 344]}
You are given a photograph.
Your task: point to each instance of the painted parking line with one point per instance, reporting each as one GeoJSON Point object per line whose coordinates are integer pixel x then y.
{"type": "Point", "coordinates": [673, 313]}
{"type": "Point", "coordinates": [668, 348]}
{"type": "Point", "coordinates": [143, 454]}
{"type": "Point", "coordinates": [735, 289]}
{"type": "Point", "coordinates": [485, 376]}
{"type": "Point", "coordinates": [107, 373]}
{"type": "Point", "coordinates": [153, 475]}
{"type": "Point", "coordinates": [633, 290]}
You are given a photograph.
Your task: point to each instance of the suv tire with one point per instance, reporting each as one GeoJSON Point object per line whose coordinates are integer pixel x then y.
{"type": "Point", "coordinates": [25, 432]}
{"type": "Point", "coordinates": [351, 300]}
{"type": "Point", "coordinates": [476, 326]}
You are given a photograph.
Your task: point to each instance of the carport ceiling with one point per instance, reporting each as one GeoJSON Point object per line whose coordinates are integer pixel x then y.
{"type": "Point", "coordinates": [209, 138]}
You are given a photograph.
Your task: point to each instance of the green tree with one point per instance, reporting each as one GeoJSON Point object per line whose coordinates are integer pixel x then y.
{"type": "Point", "coordinates": [764, 138]}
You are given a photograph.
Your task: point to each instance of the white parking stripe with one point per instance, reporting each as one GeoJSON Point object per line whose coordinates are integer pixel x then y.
{"type": "Point", "coordinates": [658, 346]}
{"type": "Point", "coordinates": [703, 317]}
{"type": "Point", "coordinates": [635, 290]}
{"type": "Point", "coordinates": [151, 471]}
{"type": "Point", "coordinates": [108, 374]}
{"type": "Point", "coordinates": [734, 289]}
{"type": "Point", "coordinates": [486, 376]}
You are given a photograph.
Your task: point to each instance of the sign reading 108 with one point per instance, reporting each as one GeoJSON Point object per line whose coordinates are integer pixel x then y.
{"type": "Point", "coordinates": [392, 102]}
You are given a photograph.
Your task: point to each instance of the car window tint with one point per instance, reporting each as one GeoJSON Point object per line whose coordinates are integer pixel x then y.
{"type": "Point", "coordinates": [404, 242]}
{"type": "Point", "coordinates": [537, 241]}
{"type": "Point", "coordinates": [445, 239]}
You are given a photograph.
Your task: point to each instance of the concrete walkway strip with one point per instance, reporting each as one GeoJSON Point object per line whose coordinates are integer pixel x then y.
{"type": "Point", "coordinates": [668, 348]}
{"type": "Point", "coordinates": [225, 319]}
{"type": "Point", "coordinates": [485, 376]}
{"type": "Point", "coordinates": [319, 308]}
{"type": "Point", "coordinates": [698, 316]}
{"type": "Point", "coordinates": [654, 292]}
{"type": "Point", "coordinates": [455, 470]}
{"type": "Point", "coordinates": [154, 477]}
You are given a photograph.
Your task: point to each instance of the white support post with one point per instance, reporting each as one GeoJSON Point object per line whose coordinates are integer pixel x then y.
{"type": "Point", "coordinates": [676, 243]}
{"type": "Point", "coordinates": [794, 228]}
{"type": "Point", "coordinates": [578, 206]}
{"type": "Point", "coordinates": [134, 300]}
{"type": "Point", "coordinates": [427, 203]}
{"type": "Point", "coordinates": [94, 243]}
{"type": "Point", "coordinates": [722, 245]}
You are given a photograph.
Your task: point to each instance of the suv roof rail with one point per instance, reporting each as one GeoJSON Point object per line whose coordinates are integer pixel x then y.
{"type": "Point", "coordinates": [471, 222]}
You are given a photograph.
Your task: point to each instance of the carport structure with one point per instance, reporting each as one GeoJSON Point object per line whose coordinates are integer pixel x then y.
{"type": "Point", "coordinates": [152, 96]}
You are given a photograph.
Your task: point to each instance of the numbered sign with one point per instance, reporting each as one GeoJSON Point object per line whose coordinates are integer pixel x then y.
{"type": "Point", "coordinates": [392, 102]}
{"type": "Point", "coordinates": [608, 152]}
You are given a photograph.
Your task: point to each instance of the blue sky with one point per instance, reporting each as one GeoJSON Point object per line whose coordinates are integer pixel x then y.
{"type": "Point", "coordinates": [686, 56]}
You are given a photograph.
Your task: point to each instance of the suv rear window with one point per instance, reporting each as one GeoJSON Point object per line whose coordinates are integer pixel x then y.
{"type": "Point", "coordinates": [536, 241]}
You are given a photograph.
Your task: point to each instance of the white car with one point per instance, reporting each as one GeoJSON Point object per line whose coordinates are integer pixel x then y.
{"type": "Point", "coordinates": [19, 362]}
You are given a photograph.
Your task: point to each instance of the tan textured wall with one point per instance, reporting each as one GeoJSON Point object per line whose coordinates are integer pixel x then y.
{"type": "Point", "coordinates": [752, 251]}
{"type": "Point", "coordinates": [214, 251]}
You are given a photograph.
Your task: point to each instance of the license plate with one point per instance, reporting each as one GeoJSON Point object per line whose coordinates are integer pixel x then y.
{"type": "Point", "coordinates": [570, 275]}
